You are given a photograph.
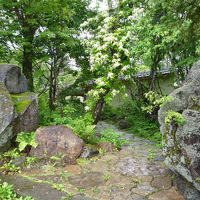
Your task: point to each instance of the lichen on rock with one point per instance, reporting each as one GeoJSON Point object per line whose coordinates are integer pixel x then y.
{"type": "Point", "coordinates": [181, 142]}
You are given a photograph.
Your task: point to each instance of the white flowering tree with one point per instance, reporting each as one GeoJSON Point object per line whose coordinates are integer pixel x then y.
{"type": "Point", "coordinates": [108, 42]}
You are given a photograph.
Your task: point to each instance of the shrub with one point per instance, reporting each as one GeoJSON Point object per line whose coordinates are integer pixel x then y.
{"type": "Point", "coordinates": [109, 135]}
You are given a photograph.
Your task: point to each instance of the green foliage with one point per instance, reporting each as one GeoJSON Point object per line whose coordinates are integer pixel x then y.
{"type": "Point", "coordinates": [20, 101]}
{"type": "Point", "coordinates": [84, 130]}
{"type": "Point", "coordinates": [155, 101]}
{"type": "Point", "coordinates": [107, 111]}
{"type": "Point", "coordinates": [109, 135]}
{"type": "Point", "coordinates": [197, 179]}
{"type": "Point", "coordinates": [26, 139]}
{"type": "Point", "coordinates": [7, 159]}
{"type": "Point", "coordinates": [70, 110]}
{"type": "Point", "coordinates": [6, 193]}
{"type": "Point", "coordinates": [74, 116]}
{"type": "Point", "coordinates": [175, 116]}
{"type": "Point", "coordinates": [140, 124]}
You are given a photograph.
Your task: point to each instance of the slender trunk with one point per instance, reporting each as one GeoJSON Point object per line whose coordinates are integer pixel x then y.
{"type": "Point", "coordinates": [51, 101]}
{"type": "Point", "coordinates": [97, 110]}
{"type": "Point", "coordinates": [98, 107]}
{"type": "Point", "coordinates": [27, 66]}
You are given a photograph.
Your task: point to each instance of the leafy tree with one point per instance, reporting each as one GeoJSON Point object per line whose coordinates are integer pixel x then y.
{"type": "Point", "coordinates": [23, 20]}
{"type": "Point", "coordinates": [107, 46]}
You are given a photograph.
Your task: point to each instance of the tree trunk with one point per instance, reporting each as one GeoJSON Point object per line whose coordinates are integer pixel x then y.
{"type": "Point", "coordinates": [97, 110]}
{"type": "Point", "coordinates": [27, 66]}
{"type": "Point", "coordinates": [51, 98]}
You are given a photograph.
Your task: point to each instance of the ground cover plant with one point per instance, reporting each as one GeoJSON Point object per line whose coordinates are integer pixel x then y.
{"type": "Point", "coordinates": [140, 123]}
{"type": "Point", "coordinates": [6, 193]}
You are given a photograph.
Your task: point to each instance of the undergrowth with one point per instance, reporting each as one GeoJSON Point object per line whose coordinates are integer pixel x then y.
{"type": "Point", "coordinates": [140, 123]}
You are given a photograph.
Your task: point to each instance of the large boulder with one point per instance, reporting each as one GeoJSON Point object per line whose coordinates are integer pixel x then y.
{"type": "Point", "coordinates": [26, 105]}
{"type": "Point", "coordinates": [181, 142]}
{"type": "Point", "coordinates": [57, 140]}
{"type": "Point", "coordinates": [7, 114]}
{"type": "Point", "coordinates": [18, 111]}
{"type": "Point", "coordinates": [13, 79]}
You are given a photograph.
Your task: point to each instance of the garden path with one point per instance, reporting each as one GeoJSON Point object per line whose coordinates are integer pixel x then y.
{"type": "Point", "coordinates": [134, 173]}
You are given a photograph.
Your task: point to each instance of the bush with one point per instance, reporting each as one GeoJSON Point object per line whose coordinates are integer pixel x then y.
{"type": "Point", "coordinates": [74, 116]}
{"type": "Point", "coordinates": [108, 112]}
{"type": "Point", "coordinates": [109, 135]}
{"type": "Point", "coordinates": [141, 125]}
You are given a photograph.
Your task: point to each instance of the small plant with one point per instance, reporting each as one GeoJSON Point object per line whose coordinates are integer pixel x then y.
{"type": "Point", "coordinates": [6, 193]}
{"type": "Point", "coordinates": [30, 160]}
{"type": "Point", "coordinates": [109, 135]}
{"type": "Point", "coordinates": [26, 139]}
{"type": "Point", "coordinates": [7, 159]}
{"type": "Point", "coordinates": [175, 116]}
{"type": "Point", "coordinates": [59, 187]}
{"type": "Point", "coordinates": [96, 190]}
{"type": "Point", "coordinates": [197, 179]}
{"type": "Point", "coordinates": [106, 177]}
{"type": "Point", "coordinates": [151, 154]}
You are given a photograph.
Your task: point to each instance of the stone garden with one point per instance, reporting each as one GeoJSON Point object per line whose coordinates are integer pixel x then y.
{"type": "Point", "coordinates": [66, 168]}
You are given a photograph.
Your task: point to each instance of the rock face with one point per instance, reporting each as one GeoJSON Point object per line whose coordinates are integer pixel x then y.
{"type": "Point", "coordinates": [13, 79]}
{"type": "Point", "coordinates": [181, 143]}
{"type": "Point", "coordinates": [18, 111]}
{"type": "Point", "coordinates": [57, 140]}
{"type": "Point", "coordinates": [7, 114]}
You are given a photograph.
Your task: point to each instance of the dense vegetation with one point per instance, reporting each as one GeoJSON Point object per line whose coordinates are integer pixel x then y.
{"type": "Point", "coordinates": [68, 50]}
{"type": "Point", "coordinates": [51, 39]}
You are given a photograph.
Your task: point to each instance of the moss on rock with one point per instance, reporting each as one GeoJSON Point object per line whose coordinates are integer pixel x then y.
{"type": "Point", "coordinates": [21, 101]}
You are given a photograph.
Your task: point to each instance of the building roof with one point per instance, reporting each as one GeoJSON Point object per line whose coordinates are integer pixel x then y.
{"type": "Point", "coordinates": [147, 73]}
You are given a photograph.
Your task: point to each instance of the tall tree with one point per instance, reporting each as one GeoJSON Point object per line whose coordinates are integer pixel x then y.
{"type": "Point", "coordinates": [107, 47]}
{"type": "Point", "coordinates": [22, 20]}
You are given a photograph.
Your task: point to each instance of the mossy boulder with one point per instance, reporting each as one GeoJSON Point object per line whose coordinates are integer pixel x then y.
{"type": "Point", "coordinates": [26, 105]}
{"type": "Point", "coordinates": [18, 111]}
{"type": "Point", "coordinates": [181, 142]}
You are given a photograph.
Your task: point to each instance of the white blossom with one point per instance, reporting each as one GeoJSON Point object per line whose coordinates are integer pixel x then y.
{"type": "Point", "coordinates": [100, 82]}
{"type": "Point", "coordinates": [87, 108]}
{"type": "Point", "coordinates": [110, 75]}
{"type": "Point", "coordinates": [115, 92]}
{"type": "Point", "coordinates": [95, 93]}
{"type": "Point", "coordinates": [125, 67]}
{"type": "Point", "coordinates": [84, 24]}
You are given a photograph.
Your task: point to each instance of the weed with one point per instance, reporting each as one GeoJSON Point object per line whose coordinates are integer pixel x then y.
{"type": "Point", "coordinates": [26, 139]}
{"type": "Point", "coordinates": [96, 190]}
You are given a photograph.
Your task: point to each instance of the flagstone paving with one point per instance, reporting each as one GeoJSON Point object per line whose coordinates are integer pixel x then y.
{"type": "Point", "coordinates": [128, 174]}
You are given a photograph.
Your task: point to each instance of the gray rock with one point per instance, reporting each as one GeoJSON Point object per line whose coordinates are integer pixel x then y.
{"type": "Point", "coordinates": [18, 112]}
{"type": "Point", "coordinates": [19, 161]}
{"type": "Point", "coordinates": [124, 124]}
{"type": "Point", "coordinates": [88, 152]}
{"type": "Point", "coordinates": [7, 115]}
{"type": "Point", "coordinates": [27, 108]}
{"type": "Point", "coordinates": [87, 180]}
{"type": "Point", "coordinates": [80, 197]}
{"type": "Point", "coordinates": [137, 197]}
{"type": "Point", "coordinates": [181, 143]}
{"type": "Point", "coordinates": [13, 79]}
{"type": "Point", "coordinates": [39, 191]}
{"type": "Point", "coordinates": [56, 140]}
{"type": "Point", "coordinates": [185, 188]}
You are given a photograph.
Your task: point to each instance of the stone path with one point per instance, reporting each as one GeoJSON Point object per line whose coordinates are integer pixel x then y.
{"type": "Point", "coordinates": [134, 173]}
